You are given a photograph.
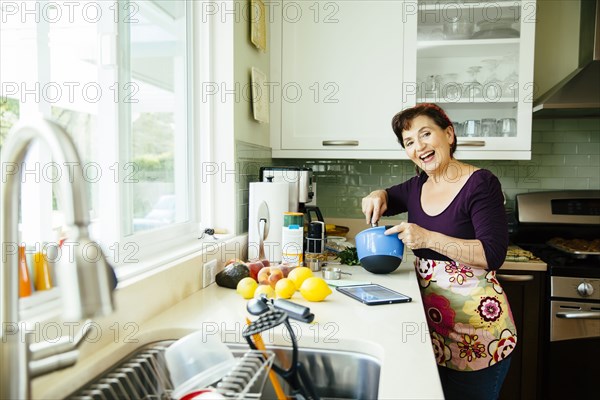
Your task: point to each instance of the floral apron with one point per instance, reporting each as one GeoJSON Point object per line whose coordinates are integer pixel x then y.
{"type": "Point", "coordinates": [469, 318]}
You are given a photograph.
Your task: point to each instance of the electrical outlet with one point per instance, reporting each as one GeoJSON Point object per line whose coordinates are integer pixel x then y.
{"type": "Point", "coordinates": [209, 272]}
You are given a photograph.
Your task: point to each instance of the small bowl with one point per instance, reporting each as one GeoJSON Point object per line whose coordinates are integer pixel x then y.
{"type": "Point", "coordinates": [379, 253]}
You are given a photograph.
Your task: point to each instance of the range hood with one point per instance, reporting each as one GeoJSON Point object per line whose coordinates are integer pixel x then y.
{"type": "Point", "coordinates": [578, 95]}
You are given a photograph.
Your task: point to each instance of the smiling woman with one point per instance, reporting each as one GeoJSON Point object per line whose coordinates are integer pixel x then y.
{"type": "Point", "coordinates": [458, 232]}
{"type": "Point", "coordinates": [118, 76]}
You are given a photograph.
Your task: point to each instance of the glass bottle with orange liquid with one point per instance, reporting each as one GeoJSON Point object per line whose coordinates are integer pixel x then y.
{"type": "Point", "coordinates": [24, 279]}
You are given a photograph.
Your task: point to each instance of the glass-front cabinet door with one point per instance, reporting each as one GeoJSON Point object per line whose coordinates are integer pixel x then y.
{"type": "Point", "coordinates": [475, 59]}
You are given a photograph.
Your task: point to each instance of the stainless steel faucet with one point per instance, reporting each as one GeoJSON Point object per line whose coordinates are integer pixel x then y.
{"type": "Point", "coordinates": [85, 284]}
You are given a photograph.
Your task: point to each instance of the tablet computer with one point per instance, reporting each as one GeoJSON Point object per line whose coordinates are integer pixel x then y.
{"type": "Point", "coordinates": [374, 294]}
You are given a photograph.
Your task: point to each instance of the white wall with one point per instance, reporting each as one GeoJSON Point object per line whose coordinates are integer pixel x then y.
{"type": "Point", "coordinates": [246, 56]}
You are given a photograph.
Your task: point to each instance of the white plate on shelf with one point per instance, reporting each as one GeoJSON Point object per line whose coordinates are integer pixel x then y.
{"type": "Point", "coordinates": [496, 34]}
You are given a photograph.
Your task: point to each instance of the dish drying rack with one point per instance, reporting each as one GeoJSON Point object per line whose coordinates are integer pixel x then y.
{"type": "Point", "coordinates": [144, 375]}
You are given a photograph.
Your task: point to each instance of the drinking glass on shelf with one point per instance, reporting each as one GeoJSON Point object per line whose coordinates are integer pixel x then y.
{"type": "Point", "coordinates": [510, 86]}
{"type": "Point", "coordinates": [507, 127]}
{"type": "Point", "coordinates": [488, 127]}
{"type": "Point", "coordinates": [431, 88]}
{"type": "Point", "coordinates": [450, 88]}
{"type": "Point", "coordinates": [472, 128]}
{"type": "Point", "coordinates": [458, 128]}
{"type": "Point", "coordinates": [510, 83]}
{"type": "Point", "coordinates": [491, 84]}
{"type": "Point", "coordinates": [473, 89]}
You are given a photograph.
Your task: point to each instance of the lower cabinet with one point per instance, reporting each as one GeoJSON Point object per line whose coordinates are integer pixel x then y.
{"type": "Point", "coordinates": [526, 293]}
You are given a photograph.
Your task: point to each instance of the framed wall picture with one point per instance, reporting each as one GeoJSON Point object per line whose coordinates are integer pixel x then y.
{"type": "Point", "coordinates": [260, 96]}
{"type": "Point", "coordinates": [258, 28]}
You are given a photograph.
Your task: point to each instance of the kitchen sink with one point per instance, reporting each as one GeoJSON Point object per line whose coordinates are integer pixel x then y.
{"type": "Point", "coordinates": [144, 375]}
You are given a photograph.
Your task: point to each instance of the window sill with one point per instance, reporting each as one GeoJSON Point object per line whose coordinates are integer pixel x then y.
{"type": "Point", "coordinates": [128, 273]}
{"type": "Point", "coordinates": [165, 272]}
{"type": "Point", "coordinates": [40, 305]}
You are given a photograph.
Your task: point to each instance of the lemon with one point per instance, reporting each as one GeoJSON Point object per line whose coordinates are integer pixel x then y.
{"type": "Point", "coordinates": [315, 289]}
{"type": "Point", "coordinates": [285, 288]}
{"type": "Point", "coordinates": [246, 287]}
{"type": "Point", "coordinates": [299, 275]}
{"type": "Point", "coordinates": [264, 289]}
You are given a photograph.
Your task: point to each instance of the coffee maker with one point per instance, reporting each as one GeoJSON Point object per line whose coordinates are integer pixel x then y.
{"type": "Point", "coordinates": [268, 201]}
{"type": "Point", "coordinates": [279, 190]}
{"type": "Point", "coordinates": [300, 180]}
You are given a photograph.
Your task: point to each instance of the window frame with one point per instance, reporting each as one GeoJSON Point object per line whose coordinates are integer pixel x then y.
{"type": "Point", "coordinates": [207, 60]}
{"type": "Point", "coordinates": [145, 247]}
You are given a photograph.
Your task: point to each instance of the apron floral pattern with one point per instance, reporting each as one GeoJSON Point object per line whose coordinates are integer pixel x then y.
{"type": "Point", "coordinates": [468, 315]}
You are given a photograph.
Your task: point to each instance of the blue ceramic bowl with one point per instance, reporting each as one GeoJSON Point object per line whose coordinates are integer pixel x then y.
{"type": "Point", "coordinates": [378, 253]}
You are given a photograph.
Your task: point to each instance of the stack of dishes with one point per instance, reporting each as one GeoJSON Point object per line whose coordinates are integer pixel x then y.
{"type": "Point", "coordinates": [495, 29]}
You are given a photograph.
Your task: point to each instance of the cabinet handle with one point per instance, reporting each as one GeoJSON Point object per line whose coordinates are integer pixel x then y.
{"type": "Point", "coordinates": [578, 315]}
{"type": "Point", "coordinates": [515, 278]}
{"type": "Point", "coordinates": [475, 143]}
{"type": "Point", "coordinates": [340, 142]}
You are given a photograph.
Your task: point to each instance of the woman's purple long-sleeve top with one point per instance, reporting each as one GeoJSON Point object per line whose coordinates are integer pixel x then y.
{"type": "Point", "coordinates": [477, 212]}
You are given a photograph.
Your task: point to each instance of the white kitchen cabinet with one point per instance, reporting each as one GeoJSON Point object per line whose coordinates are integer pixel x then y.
{"type": "Point", "coordinates": [341, 70]}
{"type": "Point", "coordinates": [483, 79]}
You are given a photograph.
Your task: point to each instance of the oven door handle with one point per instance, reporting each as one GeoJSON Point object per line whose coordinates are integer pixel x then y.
{"type": "Point", "coordinates": [578, 314]}
{"type": "Point", "coordinates": [515, 278]}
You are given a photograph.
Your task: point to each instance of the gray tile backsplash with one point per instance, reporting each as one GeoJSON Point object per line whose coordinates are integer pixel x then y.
{"type": "Point", "coordinates": [249, 159]}
{"type": "Point", "coordinates": [565, 155]}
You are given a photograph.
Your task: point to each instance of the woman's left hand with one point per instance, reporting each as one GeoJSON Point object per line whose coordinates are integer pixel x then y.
{"type": "Point", "coordinates": [412, 235]}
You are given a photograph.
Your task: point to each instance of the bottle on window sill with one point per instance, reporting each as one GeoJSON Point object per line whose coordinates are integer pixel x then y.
{"type": "Point", "coordinates": [24, 279]}
{"type": "Point", "coordinates": [41, 272]}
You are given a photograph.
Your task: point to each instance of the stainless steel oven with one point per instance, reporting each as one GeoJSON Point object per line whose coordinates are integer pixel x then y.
{"type": "Point", "coordinates": [574, 308]}
{"type": "Point", "coordinates": [563, 229]}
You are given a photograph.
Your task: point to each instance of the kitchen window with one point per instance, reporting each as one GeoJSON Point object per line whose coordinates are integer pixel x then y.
{"type": "Point", "coordinates": [118, 75]}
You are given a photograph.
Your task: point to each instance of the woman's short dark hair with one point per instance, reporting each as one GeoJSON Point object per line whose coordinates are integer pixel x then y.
{"type": "Point", "coordinates": [403, 120]}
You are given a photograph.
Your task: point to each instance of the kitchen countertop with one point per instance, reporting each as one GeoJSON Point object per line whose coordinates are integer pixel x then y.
{"type": "Point", "coordinates": [524, 266]}
{"type": "Point", "coordinates": [395, 334]}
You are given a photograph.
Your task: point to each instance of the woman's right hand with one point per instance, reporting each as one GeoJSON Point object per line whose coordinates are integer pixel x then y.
{"type": "Point", "coordinates": [374, 205]}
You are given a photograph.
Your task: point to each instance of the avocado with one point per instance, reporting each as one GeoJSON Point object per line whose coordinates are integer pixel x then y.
{"type": "Point", "coordinates": [231, 275]}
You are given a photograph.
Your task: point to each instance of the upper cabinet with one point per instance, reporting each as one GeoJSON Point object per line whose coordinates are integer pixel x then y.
{"type": "Point", "coordinates": [343, 69]}
{"type": "Point", "coordinates": [476, 61]}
